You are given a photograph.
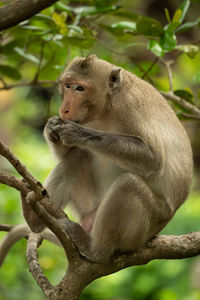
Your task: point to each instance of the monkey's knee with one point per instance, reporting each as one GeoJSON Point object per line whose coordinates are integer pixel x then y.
{"type": "Point", "coordinates": [122, 221]}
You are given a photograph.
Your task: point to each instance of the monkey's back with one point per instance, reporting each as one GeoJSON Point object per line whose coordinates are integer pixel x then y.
{"type": "Point", "coordinates": [156, 123]}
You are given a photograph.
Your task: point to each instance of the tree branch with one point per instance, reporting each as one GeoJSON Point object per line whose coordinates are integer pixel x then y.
{"type": "Point", "coordinates": [14, 235]}
{"type": "Point", "coordinates": [34, 267]}
{"type": "Point", "coordinates": [51, 222]}
{"type": "Point", "coordinates": [35, 185]}
{"type": "Point", "coordinates": [31, 83]}
{"type": "Point", "coordinates": [169, 72]}
{"type": "Point", "coordinates": [14, 182]}
{"type": "Point", "coordinates": [18, 232]}
{"type": "Point", "coordinates": [171, 96]}
{"type": "Point", "coordinates": [20, 10]}
{"type": "Point", "coordinates": [5, 227]}
{"type": "Point", "coordinates": [164, 247]}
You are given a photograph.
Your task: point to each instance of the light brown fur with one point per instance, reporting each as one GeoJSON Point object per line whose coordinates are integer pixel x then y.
{"type": "Point", "coordinates": [127, 165]}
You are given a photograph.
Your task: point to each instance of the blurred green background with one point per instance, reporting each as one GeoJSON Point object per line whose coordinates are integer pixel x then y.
{"type": "Point", "coordinates": [38, 49]}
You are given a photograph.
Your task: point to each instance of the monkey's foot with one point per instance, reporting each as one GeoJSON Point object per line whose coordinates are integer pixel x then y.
{"type": "Point", "coordinates": [78, 236]}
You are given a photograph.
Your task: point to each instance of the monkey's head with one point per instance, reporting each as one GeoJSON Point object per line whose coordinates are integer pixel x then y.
{"type": "Point", "coordinates": [86, 86]}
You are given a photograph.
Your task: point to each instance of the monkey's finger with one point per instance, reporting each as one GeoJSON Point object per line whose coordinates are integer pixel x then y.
{"type": "Point", "coordinates": [57, 120]}
{"type": "Point", "coordinates": [58, 128]}
{"type": "Point", "coordinates": [54, 136]}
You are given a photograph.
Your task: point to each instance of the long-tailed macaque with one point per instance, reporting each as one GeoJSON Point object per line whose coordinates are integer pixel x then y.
{"type": "Point", "coordinates": [125, 159]}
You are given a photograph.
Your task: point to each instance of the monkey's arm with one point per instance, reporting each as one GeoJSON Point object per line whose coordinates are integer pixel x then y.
{"type": "Point", "coordinates": [128, 151]}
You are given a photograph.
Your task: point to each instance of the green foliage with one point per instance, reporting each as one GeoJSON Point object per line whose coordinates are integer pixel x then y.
{"type": "Point", "coordinates": [48, 36]}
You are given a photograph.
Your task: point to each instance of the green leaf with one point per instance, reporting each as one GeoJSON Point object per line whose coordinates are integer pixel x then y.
{"type": "Point", "coordinates": [42, 17]}
{"type": "Point", "coordinates": [184, 8]}
{"type": "Point", "coordinates": [141, 25]}
{"type": "Point", "coordinates": [177, 16]}
{"type": "Point", "coordinates": [187, 26]}
{"type": "Point", "coordinates": [9, 47]}
{"type": "Point", "coordinates": [167, 15]}
{"type": "Point", "coordinates": [185, 94]}
{"type": "Point", "coordinates": [168, 41]}
{"type": "Point", "coordinates": [32, 28]}
{"type": "Point", "coordinates": [147, 28]}
{"type": "Point", "coordinates": [146, 25]}
{"type": "Point", "coordinates": [27, 56]}
{"type": "Point", "coordinates": [10, 72]}
{"type": "Point", "coordinates": [92, 10]}
{"type": "Point", "coordinates": [123, 26]}
{"type": "Point", "coordinates": [62, 7]}
{"type": "Point", "coordinates": [171, 27]}
{"type": "Point", "coordinates": [190, 50]}
{"type": "Point", "coordinates": [156, 48]}
{"type": "Point", "coordinates": [115, 31]}
{"type": "Point", "coordinates": [76, 28]}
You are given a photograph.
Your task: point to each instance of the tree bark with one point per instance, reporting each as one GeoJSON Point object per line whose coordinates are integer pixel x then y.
{"type": "Point", "coordinates": [20, 10]}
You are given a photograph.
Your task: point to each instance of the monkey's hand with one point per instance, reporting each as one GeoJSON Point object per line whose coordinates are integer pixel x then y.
{"type": "Point", "coordinates": [71, 133]}
{"type": "Point", "coordinates": [52, 135]}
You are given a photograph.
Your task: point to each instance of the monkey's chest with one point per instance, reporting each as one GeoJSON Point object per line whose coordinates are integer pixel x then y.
{"type": "Point", "coordinates": [106, 172]}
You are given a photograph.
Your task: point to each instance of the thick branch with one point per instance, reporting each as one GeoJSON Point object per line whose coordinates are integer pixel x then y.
{"type": "Point", "coordinates": [164, 247]}
{"type": "Point", "coordinates": [20, 10]}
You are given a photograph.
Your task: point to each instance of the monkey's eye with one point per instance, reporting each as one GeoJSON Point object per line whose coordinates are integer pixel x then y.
{"type": "Point", "coordinates": [67, 85]}
{"type": "Point", "coordinates": [80, 88]}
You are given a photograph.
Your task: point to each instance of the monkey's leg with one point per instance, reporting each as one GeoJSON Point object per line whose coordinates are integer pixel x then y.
{"type": "Point", "coordinates": [73, 180]}
{"type": "Point", "coordinates": [126, 219]}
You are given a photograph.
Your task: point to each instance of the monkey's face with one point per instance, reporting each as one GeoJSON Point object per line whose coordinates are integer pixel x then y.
{"type": "Point", "coordinates": [86, 86]}
{"type": "Point", "coordinates": [77, 104]}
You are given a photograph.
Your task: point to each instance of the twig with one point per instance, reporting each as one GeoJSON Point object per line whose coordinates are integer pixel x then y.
{"type": "Point", "coordinates": [3, 82]}
{"type": "Point", "coordinates": [40, 62]}
{"type": "Point", "coordinates": [122, 54]}
{"type": "Point", "coordinates": [150, 68]}
{"type": "Point", "coordinates": [188, 116]}
{"type": "Point", "coordinates": [142, 70]}
{"type": "Point", "coordinates": [182, 102]}
{"type": "Point", "coordinates": [169, 72]}
{"type": "Point", "coordinates": [31, 83]}
{"type": "Point", "coordinates": [5, 227]}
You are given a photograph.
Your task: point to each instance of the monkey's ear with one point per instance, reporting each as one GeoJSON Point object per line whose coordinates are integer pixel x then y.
{"type": "Point", "coordinates": [115, 79]}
